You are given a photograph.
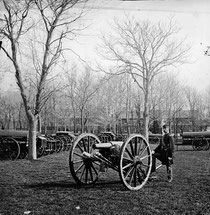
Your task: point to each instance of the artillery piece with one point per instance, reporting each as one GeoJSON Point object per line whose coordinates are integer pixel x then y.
{"type": "Point", "coordinates": [200, 140]}
{"type": "Point", "coordinates": [131, 158]}
{"type": "Point", "coordinates": [14, 144]}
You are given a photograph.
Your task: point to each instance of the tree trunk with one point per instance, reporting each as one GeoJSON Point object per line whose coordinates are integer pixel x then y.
{"type": "Point", "coordinates": [82, 121]}
{"type": "Point", "coordinates": [146, 118]}
{"type": "Point", "coordinates": [32, 154]}
{"type": "Point", "coordinates": [39, 124]}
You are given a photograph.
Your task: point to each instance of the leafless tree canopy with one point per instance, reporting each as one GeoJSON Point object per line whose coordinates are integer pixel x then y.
{"type": "Point", "coordinates": [144, 50]}
{"type": "Point", "coordinates": [58, 23]}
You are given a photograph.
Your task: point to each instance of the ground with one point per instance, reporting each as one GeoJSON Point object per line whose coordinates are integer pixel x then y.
{"type": "Point", "coordinates": [45, 186]}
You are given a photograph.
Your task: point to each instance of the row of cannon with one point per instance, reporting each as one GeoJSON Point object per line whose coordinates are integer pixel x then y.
{"type": "Point", "coordinates": [14, 143]}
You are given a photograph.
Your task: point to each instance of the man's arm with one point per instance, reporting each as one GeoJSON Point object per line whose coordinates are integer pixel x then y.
{"type": "Point", "coordinates": [172, 145]}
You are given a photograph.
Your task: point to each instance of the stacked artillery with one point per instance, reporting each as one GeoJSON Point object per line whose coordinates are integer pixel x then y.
{"type": "Point", "coordinates": [14, 143]}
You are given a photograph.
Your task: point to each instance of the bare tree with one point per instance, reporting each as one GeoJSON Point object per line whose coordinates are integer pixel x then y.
{"type": "Point", "coordinates": [207, 101]}
{"type": "Point", "coordinates": [81, 90]}
{"type": "Point", "coordinates": [144, 50]}
{"type": "Point", "coordinates": [111, 102]}
{"type": "Point", "coordinates": [56, 21]}
{"type": "Point", "coordinates": [193, 99]}
{"type": "Point", "coordinates": [171, 100]}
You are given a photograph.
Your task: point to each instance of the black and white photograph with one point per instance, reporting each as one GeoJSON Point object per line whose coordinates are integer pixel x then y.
{"type": "Point", "coordinates": [104, 107]}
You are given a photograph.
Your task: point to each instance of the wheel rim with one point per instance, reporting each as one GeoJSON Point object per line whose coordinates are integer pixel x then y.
{"type": "Point", "coordinates": [135, 162]}
{"type": "Point", "coordinates": [84, 169]}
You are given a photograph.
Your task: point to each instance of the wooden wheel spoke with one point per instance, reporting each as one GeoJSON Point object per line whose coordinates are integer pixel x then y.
{"type": "Point", "coordinates": [94, 169]}
{"type": "Point", "coordinates": [86, 174]}
{"type": "Point", "coordinates": [146, 147]}
{"type": "Point", "coordinates": [88, 144]}
{"type": "Point", "coordinates": [82, 173]}
{"type": "Point", "coordinates": [77, 161]}
{"type": "Point", "coordinates": [128, 172]}
{"type": "Point", "coordinates": [84, 146]}
{"type": "Point", "coordinates": [80, 155]}
{"type": "Point", "coordinates": [140, 146]}
{"type": "Point", "coordinates": [76, 170]}
{"type": "Point", "coordinates": [142, 171]}
{"type": "Point", "coordinates": [132, 176]}
{"type": "Point", "coordinates": [136, 143]}
{"type": "Point", "coordinates": [132, 149]}
{"type": "Point", "coordinates": [128, 152]}
{"type": "Point", "coordinates": [126, 166]}
{"type": "Point", "coordinates": [80, 147]}
{"type": "Point", "coordinates": [139, 176]}
{"type": "Point", "coordinates": [146, 156]}
{"type": "Point", "coordinates": [127, 159]}
{"type": "Point", "coordinates": [91, 174]}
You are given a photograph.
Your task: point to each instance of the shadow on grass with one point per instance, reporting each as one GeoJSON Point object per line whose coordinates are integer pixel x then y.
{"type": "Point", "coordinates": [181, 150]}
{"type": "Point", "coordinates": [111, 185]}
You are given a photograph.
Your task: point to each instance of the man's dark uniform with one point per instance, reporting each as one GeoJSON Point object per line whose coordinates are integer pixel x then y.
{"type": "Point", "coordinates": [164, 151]}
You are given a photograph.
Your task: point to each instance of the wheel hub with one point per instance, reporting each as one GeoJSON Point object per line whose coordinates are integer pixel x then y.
{"type": "Point", "coordinates": [137, 160]}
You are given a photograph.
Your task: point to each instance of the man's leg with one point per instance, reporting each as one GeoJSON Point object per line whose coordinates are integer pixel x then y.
{"type": "Point", "coordinates": [153, 163]}
{"type": "Point", "coordinates": [169, 169]}
{"type": "Point", "coordinates": [153, 175]}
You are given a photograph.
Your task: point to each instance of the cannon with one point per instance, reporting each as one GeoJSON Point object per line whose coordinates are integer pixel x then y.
{"type": "Point", "coordinates": [67, 138]}
{"type": "Point", "coordinates": [14, 144]}
{"type": "Point", "coordinates": [131, 158]}
{"type": "Point", "coordinates": [199, 140]}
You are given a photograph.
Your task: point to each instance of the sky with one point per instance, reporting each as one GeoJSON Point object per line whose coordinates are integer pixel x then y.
{"type": "Point", "coordinates": [191, 15]}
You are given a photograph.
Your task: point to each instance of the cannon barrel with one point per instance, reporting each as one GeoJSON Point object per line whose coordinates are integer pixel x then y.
{"type": "Point", "coordinates": [195, 134]}
{"type": "Point", "coordinates": [13, 133]}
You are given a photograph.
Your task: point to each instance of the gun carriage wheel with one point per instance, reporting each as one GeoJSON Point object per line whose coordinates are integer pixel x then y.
{"type": "Point", "coordinates": [59, 144]}
{"type": "Point", "coordinates": [9, 148]}
{"type": "Point", "coordinates": [84, 168]}
{"type": "Point", "coordinates": [135, 162]}
{"type": "Point", "coordinates": [200, 143]}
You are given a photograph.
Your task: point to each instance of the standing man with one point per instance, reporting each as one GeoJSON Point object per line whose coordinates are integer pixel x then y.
{"type": "Point", "coordinates": [164, 152]}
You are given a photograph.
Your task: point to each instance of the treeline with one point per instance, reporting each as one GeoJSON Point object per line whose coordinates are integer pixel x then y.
{"type": "Point", "coordinates": [85, 101]}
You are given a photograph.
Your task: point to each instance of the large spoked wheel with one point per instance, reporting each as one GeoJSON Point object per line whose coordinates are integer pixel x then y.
{"type": "Point", "coordinates": [70, 139]}
{"type": "Point", "coordinates": [9, 148]}
{"type": "Point", "coordinates": [135, 162]}
{"type": "Point", "coordinates": [200, 143]}
{"type": "Point", "coordinates": [83, 167]}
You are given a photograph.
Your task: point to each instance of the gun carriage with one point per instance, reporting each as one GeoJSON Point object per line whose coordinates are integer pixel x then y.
{"type": "Point", "coordinates": [67, 139]}
{"type": "Point", "coordinates": [199, 140]}
{"type": "Point", "coordinates": [14, 144]}
{"type": "Point", "coordinates": [131, 158]}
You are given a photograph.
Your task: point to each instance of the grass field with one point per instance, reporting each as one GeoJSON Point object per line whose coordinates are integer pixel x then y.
{"type": "Point", "coordinates": [45, 186]}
